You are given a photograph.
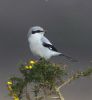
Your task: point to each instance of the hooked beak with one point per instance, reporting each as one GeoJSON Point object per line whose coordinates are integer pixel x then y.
{"type": "Point", "coordinates": [45, 31]}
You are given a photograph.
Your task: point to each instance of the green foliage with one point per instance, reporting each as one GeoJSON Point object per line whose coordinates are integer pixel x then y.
{"type": "Point", "coordinates": [44, 75]}
{"type": "Point", "coordinates": [17, 85]}
{"type": "Point", "coordinates": [43, 72]}
{"type": "Point", "coordinates": [87, 72]}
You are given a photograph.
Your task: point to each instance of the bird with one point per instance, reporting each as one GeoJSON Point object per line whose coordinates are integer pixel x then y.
{"type": "Point", "coordinates": [41, 46]}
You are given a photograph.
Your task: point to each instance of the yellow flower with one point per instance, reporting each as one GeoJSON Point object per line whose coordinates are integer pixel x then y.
{"type": "Point", "coordinates": [15, 97]}
{"type": "Point", "coordinates": [9, 88]}
{"type": "Point", "coordinates": [9, 82]}
{"type": "Point", "coordinates": [30, 67]}
{"type": "Point", "coordinates": [32, 62]}
{"type": "Point", "coordinates": [26, 67]}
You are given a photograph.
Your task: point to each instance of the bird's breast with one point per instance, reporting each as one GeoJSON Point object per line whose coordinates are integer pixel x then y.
{"type": "Point", "coordinates": [35, 45]}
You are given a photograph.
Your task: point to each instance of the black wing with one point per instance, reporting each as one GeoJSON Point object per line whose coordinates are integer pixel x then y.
{"type": "Point", "coordinates": [49, 46]}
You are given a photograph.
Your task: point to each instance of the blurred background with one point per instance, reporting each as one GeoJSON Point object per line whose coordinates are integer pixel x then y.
{"type": "Point", "coordinates": [69, 26]}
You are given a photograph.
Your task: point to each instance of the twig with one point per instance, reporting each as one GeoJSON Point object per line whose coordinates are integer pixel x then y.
{"type": "Point", "coordinates": [27, 94]}
{"type": "Point", "coordinates": [66, 82]}
{"type": "Point", "coordinates": [39, 97]}
{"type": "Point", "coordinates": [54, 97]}
{"type": "Point", "coordinates": [59, 93]}
{"type": "Point", "coordinates": [73, 77]}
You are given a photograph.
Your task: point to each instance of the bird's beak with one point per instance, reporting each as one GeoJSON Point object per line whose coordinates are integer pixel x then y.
{"type": "Point", "coordinates": [45, 31]}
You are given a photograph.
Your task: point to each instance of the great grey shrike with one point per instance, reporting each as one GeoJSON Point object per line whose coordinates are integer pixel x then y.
{"type": "Point", "coordinates": [40, 45]}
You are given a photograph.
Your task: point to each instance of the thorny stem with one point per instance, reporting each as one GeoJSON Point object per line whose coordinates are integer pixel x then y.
{"type": "Point", "coordinates": [39, 97]}
{"type": "Point", "coordinates": [45, 94]}
{"type": "Point", "coordinates": [77, 75]}
{"type": "Point", "coordinates": [59, 93]}
{"type": "Point", "coordinates": [66, 82]}
{"type": "Point", "coordinates": [27, 94]}
{"type": "Point", "coordinates": [57, 89]}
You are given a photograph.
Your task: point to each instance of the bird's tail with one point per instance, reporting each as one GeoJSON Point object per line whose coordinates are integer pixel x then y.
{"type": "Point", "coordinates": [69, 58]}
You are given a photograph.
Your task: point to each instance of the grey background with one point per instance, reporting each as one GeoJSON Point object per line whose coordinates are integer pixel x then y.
{"type": "Point", "coordinates": [69, 26]}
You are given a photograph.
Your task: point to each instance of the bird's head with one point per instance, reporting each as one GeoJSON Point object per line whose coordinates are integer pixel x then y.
{"type": "Point", "coordinates": [36, 30]}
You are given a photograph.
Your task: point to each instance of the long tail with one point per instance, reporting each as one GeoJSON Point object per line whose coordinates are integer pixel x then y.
{"type": "Point", "coordinates": [69, 58]}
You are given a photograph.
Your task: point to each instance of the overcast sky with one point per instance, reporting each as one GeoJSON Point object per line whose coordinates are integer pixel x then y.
{"type": "Point", "coordinates": [69, 26]}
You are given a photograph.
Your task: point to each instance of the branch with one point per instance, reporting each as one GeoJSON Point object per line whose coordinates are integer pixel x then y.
{"type": "Point", "coordinates": [66, 82]}
{"type": "Point", "coordinates": [77, 75]}
{"type": "Point", "coordinates": [54, 97]}
{"type": "Point", "coordinates": [59, 93]}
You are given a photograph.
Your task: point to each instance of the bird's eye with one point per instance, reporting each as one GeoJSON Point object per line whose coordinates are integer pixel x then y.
{"type": "Point", "coordinates": [37, 31]}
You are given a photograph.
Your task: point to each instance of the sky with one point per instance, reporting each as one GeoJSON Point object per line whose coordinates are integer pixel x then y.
{"type": "Point", "coordinates": [69, 27]}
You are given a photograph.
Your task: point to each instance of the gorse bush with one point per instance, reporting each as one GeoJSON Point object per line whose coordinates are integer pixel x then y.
{"type": "Point", "coordinates": [43, 72]}
{"type": "Point", "coordinates": [45, 78]}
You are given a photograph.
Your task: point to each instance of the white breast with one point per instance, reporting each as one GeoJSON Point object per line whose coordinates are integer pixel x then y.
{"type": "Point", "coordinates": [35, 43]}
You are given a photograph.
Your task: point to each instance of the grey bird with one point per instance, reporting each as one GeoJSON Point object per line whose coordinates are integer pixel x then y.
{"type": "Point", "coordinates": [41, 46]}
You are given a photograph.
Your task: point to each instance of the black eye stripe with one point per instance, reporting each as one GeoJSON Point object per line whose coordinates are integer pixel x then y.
{"type": "Point", "coordinates": [37, 31]}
